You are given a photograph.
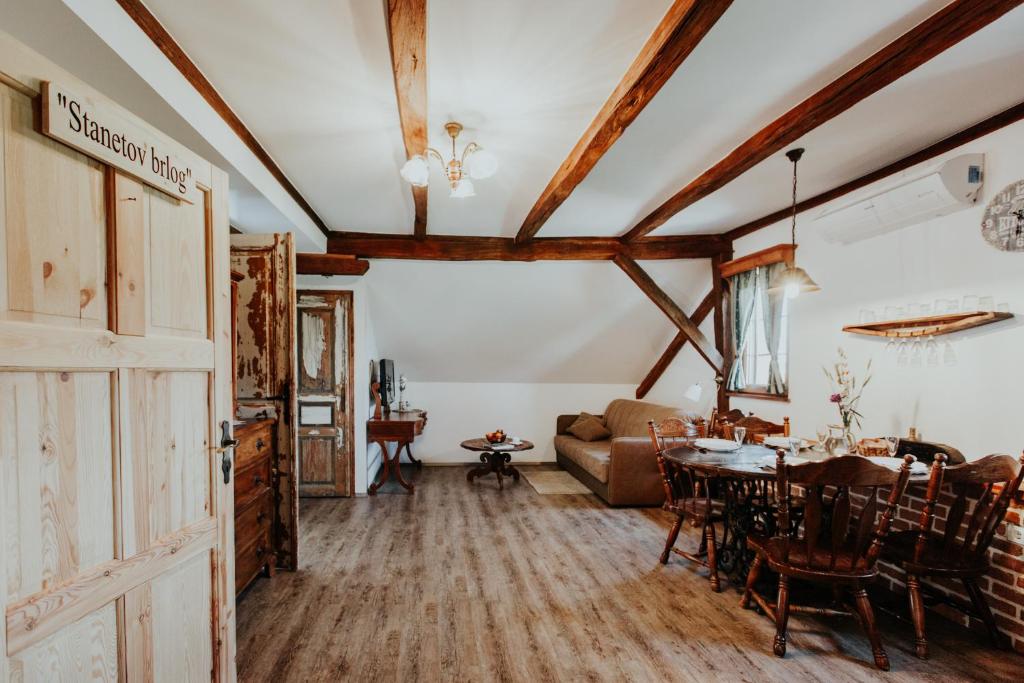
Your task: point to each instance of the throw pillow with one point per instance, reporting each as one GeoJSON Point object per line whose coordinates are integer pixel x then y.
{"type": "Point", "coordinates": [589, 427]}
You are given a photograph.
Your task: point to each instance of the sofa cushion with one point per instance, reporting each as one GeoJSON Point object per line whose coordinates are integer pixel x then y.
{"type": "Point", "coordinates": [629, 418]}
{"type": "Point", "coordinates": [589, 428]}
{"type": "Point", "coordinates": [592, 456]}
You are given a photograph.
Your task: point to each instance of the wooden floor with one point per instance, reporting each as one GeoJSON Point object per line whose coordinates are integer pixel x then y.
{"type": "Point", "coordinates": [468, 583]}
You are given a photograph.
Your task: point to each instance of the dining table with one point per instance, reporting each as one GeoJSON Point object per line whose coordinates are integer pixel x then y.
{"type": "Point", "coordinates": [745, 480]}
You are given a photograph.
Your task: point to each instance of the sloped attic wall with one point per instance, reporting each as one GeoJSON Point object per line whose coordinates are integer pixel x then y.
{"type": "Point", "coordinates": [512, 345]}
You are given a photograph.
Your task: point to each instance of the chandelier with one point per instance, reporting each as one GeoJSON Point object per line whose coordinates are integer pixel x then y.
{"type": "Point", "coordinates": [793, 280]}
{"type": "Point", "coordinates": [475, 162]}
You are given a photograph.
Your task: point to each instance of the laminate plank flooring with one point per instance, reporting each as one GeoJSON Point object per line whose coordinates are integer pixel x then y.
{"type": "Point", "coordinates": [464, 582]}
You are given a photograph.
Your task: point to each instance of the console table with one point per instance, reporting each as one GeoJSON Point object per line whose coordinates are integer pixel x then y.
{"type": "Point", "coordinates": [401, 427]}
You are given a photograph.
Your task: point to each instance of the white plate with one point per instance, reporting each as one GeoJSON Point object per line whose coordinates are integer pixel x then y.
{"type": "Point", "coordinates": [723, 445]}
{"type": "Point", "coordinates": [768, 461]}
{"type": "Point", "coordinates": [896, 463]}
{"type": "Point", "coordinates": [784, 441]}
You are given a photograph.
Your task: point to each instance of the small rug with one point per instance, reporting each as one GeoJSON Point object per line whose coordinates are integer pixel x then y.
{"type": "Point", "coordinates": [554, 482]}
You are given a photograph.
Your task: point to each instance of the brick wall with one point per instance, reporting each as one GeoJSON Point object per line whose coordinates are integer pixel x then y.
{"type": "Point", "coordinates": [1003, 584]}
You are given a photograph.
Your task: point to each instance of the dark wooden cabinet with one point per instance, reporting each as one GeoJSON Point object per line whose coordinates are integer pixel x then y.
{"type": "Point", "coordinates": [255, 501]}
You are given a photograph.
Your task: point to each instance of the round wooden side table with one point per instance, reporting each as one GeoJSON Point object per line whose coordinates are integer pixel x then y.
{"type": "Point", "coordinates": [496, 461]}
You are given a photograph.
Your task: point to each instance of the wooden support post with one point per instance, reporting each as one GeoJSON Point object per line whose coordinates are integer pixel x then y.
{"type": "Point", "coordinates": [662, 300]}
{"type": "Point", "coordinates": [674, 347]}
{"type": "Point", "coordinates": [722, 329]}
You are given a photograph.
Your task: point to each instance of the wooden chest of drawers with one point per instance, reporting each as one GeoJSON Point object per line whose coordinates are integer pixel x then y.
{"type": "Point", "coordinates": [254, 501]}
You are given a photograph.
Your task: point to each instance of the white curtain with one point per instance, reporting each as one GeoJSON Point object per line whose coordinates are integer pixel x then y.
{"type": "Point", "coordinates": [744, 287]}
{"type": "Point", "coordinates": [772, 305]}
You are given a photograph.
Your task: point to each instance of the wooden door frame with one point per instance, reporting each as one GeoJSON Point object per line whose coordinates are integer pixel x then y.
{"type": "Point", "coordinates": [349, 297]}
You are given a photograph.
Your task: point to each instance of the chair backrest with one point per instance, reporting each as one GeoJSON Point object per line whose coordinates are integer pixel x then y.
{"type": "Point", "coordinates": [720, 420]}
{"type": "Point", "coordinates": [758, 428]}
{"type": "Point", "coordinates": [833, 539]}
{"type": "Point", "coordinates": [670, 432]}
{"type": "Point", "coordinates": [989, 483]}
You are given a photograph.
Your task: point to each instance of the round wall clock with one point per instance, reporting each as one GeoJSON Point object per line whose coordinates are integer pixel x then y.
{"type": "Point", "coordinates": [1002, 226]}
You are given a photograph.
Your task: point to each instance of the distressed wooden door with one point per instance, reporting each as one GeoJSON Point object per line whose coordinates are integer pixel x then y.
{"type": "Point", "coordinates": [266, 365]}
{"type": "Point", "coordinates": [326, 463]}
{"type": "Point", "coordinates": [116, 547]}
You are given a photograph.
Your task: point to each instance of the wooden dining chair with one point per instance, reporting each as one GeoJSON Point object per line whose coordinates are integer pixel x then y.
{"type": "Point", "coordinates": [687, 495]}
{"type": "Point", "coordinates": [984, 487]}
{"type": "Point", "coordinates": [836, 547]}
{"type": "Point", "coordinates": [758, 428]}
{"type": "Point", "coordinates": [719, 420]}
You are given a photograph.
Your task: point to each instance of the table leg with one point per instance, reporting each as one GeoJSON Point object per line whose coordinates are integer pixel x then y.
{"type": "Point", "coordinates": [389, 463]}
{"type": "Point", "coordinates": [496, 463]}
{"type": "Point", "coordinates": [408, 451]}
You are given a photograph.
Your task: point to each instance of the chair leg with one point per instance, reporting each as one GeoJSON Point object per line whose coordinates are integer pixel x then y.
{"type": "Point", "coordinates": [982, 608]}
{"type": "Point", "coordinates": [752, 576]}
{"type": "Point", "coordinates": [917, 614]}
{"type": "Point", "coordinates": [867, 617]}
{"type": "Point", "coordinates": [673, 534]}
{"type": "Point", "coordinates": [709, 541]}
{"type": "Point", "coordinates": [781, 616]}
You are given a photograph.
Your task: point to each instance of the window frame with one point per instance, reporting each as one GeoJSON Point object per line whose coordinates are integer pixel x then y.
{"type": "Point", "coordinates": [780, 253]}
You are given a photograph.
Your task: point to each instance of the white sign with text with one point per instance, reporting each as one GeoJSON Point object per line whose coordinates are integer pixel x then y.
{"type": "Point", "coordinates": [106, 132]}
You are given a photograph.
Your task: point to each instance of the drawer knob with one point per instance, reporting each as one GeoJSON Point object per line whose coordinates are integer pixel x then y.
{"type": "Point", "coordinates": [258, 480]}
{"type": "Point", "coordinates": [260, 444]}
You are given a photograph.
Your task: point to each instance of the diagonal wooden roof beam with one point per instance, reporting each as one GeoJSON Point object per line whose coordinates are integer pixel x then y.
{"type": "Point", "coordinates": [674, 347]}
{"type": "Point", "coordinates": [407, 37]}
{"type": "Point", "coordinates": [944, 29]}
{"type": "Point", "coordinates": [663, 301]}
{"type": "Point", "coordinates": [684, 25]}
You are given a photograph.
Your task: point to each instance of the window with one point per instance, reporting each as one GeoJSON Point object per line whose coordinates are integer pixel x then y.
{"type": "Point", "coordinates": [755, 357]}
{"type": "Point", "coordinates": [759, 327]}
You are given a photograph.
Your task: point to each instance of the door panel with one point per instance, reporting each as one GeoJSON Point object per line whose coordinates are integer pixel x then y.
{"type": "Point", "coordinates": [110, 501]}
{"type": "Point", "coordinates": [55, 432]}
{"type": "Point", "coordinates": [266, 361]}
{"type": "Point", "coordinates": [55, 256]}
{"type": "Point", "coordinates": [165, 452]}
{"type": "Point", "coordinates": [168, 620]}
{"type": "Point", "coordinates": [177, 265]}
{"type": "Point", "coordinates": [325, 400]}
{"type": "Point", "coordinates": [85, 650]}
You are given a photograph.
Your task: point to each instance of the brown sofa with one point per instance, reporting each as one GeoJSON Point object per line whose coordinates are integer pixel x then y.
{"type": "Point", "coordinates": [622, 469]}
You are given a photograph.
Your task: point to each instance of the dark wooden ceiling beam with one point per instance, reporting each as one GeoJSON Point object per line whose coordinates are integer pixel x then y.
{"type": "Point", "coordinates": [662, 300]}
{"type": "Point", "coordinates": [942, 30]}
{"type": "Point", "coordinates": [330, 264]}
{"type": "Point", "coordinates": [674, 347]}
{"type": "Point", "coordinates": [407, 38]}
{"type": "Point", "coordinates": [989, 125]}
{"type": "Point", "coordinates": [152, 27]}
{"type": "Point", "coordinates": [684, 25]}
{"type": "Point", "coordinates": [466, 248]}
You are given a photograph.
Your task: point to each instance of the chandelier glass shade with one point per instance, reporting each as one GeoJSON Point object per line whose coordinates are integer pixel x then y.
{"type": "Point", "coordinates": [475, 163]}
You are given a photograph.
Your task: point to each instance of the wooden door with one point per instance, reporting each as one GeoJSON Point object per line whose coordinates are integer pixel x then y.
{"type": "Point", "coordinates": [326, 463]}
{"type": "Point", "coordinates": [116, 544]}
{"type": "Point", "coordinates": [266, 365]}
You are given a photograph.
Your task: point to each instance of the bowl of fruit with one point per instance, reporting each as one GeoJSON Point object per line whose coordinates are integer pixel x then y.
{"type": "Point", "coordinates": [497, 436]}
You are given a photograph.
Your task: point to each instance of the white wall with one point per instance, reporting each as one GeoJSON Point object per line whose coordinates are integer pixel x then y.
{"type": "Point", "coordinates": [974, 405]}
{"type": "Point", "coordinates": [367, 457]}
{"type": "Point", "coordinates": [488, 345]}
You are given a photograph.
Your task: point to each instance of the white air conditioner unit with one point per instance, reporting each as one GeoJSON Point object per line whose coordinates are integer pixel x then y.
{"type": "Point", "coordinates": [911, 197]}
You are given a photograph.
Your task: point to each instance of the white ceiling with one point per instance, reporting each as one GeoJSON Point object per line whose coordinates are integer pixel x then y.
{"type": "Point", "coordinates": [313, 81]}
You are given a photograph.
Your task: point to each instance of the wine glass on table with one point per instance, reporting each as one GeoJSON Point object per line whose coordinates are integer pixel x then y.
{"type": "Point", "coordinates": [739, 434]}
{"type": "Point", "coordinates": [892, 445]}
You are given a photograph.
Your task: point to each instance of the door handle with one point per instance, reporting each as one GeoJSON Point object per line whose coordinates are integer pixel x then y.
{"type": "Point", "coordinates": [227, 445]}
